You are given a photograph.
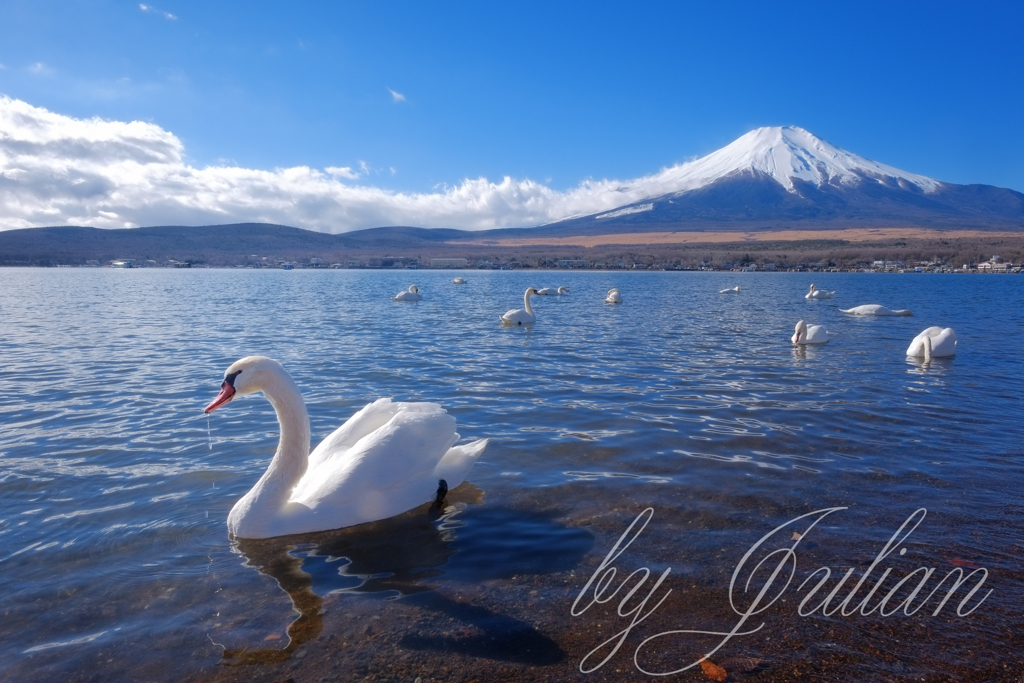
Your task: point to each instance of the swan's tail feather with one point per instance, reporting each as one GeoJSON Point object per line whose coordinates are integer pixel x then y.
{"type": "Point", "coordinates": [457, 462]}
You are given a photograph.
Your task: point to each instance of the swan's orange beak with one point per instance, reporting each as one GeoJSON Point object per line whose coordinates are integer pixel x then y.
{"type": "Point", "coordinates": [227, 392]}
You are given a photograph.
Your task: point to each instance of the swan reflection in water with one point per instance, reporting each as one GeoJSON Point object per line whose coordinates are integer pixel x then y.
{"type": "Point", "coordinates": [395, 554]}
{"type": "Point", "coordinates": [401, 556]}
{"type": "Point", "coordinates": [804, 351]}
{"type": "Point", "coordinates": [919, 365]}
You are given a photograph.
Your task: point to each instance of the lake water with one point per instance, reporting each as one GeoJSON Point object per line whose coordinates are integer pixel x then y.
{"type": "Point", "coordinates": [115, 564]}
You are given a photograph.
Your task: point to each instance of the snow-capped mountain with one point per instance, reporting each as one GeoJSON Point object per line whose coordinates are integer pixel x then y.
{"type": "Point", "coordinates": [784, 154]}
{"type": "Point", "coordinates": [785, 174]}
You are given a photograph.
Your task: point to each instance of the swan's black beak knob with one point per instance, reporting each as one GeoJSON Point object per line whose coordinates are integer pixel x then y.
{"type": "Point", "coordinates": [227, 392]}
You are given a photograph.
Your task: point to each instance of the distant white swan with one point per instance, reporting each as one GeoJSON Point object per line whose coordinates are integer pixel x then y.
{"type": "Point", "coordinates": [386, 459]}
{"type": "Point", "coordinates": [614, 297]}
{"type": "Point", "coordinates": [524, 315]}
{"type": "Point", "coordinates": [935, 341]}
{"type": "Point", "coordinates": [412, 294]}
{"type": "Point", "coordinates": [731, 290]}
{"type": "Point", "coordinates": [875, 309]}
{"type": "Point", "coordinates": [551, 291]}
{"type": "Point", "coordinates": [819, 294]}
{"type": "Point", "coordinates": [809, 334]}
{"type": "Point", "coordinates": [458, 281]}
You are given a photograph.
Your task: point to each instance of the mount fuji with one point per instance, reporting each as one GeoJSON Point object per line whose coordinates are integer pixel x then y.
{"type": "Point", "coordinates": [785, 177]}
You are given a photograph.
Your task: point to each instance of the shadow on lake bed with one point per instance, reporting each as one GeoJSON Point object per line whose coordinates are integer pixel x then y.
{"type": "Point", "coordinates": [403, 556]}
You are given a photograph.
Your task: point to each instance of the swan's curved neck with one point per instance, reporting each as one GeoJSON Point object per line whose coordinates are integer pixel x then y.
{"type": "Point", "coordinates": [526, 302]}
{"type": "Point", "coordinates": [927, 347]}
{"type": "Point", "coordinates": [292, 456]}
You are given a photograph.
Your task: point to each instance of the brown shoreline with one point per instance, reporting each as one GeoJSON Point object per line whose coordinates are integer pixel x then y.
{"type": "Point", "coordinates": [728, 237]}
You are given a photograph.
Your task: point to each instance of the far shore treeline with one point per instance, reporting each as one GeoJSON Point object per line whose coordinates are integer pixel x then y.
{"type": "Point", "coordinates": [267, 245]}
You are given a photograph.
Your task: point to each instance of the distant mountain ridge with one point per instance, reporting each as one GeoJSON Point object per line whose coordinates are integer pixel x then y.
{"type": "Point", "coordinates": [205, 243]}
{"type": "Point", "coordinates": [769, 179]}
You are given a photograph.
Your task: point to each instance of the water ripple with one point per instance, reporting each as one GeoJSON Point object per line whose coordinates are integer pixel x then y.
{"type": "Point", "coordinates": [114, 489]}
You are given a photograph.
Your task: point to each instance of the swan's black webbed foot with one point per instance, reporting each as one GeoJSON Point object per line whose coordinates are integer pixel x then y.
{"type": "Point", "coordinates": [442, 491]}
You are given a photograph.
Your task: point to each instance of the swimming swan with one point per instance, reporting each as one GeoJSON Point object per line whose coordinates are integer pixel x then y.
{"type": "Point", "coordinates": [875, 309]}
{"type": "Point", "coordinates": [413, 294]}
{"type": "Point", "coordinates": [459, 281]}
{"type": "Point", "coordinates": [809, 334]}
{"type": "Point", "coordinates": [386, 459]}
{"type": "Point", "coordinates": [551, 291]}
{"type": "Point", "coordinates": [818, 294]}
{"type": "Point", "coordinates": [935, 341]}
{"type": "Point", "coordinates": [524, 315]}
{"type": "Point", "coordinates": [731, 290]}
{"type": "Point", "coordinates": [614, 297]}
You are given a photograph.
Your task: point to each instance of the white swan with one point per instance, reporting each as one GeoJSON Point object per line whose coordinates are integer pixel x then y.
{"type": "Point", "coordinates": [386, 459]}
{"type": "Point", "coordinates": [524, 315]}
{"type": "Point", "coordinates": [458, 281]}
{"type": "Point", "coordinates": [551, 291]}
{"type": "Point", "coordinates": [875, 309]}
{"type": "Point", "coordinates": [818, 294]}
{"type": "Point", "coordinates": [935, 341]}
{"type": "Point", "coordinates": [412, 294]}
{"type": "Point", "coordinates": [731, 290]}
{"type": "Point", "coordinates": [614, 297]}
{"type": "Point", "coordinates": [809, 334]}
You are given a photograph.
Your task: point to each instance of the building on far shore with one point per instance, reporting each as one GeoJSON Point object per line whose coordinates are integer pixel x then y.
{"type": "Point", "coordinates": [572, 263]}
{"type": "Point", "coordinates": [994, 265]}
{"type": "Point", "coordinates": [448, 263]}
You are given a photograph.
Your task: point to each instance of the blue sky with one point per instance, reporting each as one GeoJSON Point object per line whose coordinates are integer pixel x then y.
{"type": "Point", "coordinates": [553, 93]}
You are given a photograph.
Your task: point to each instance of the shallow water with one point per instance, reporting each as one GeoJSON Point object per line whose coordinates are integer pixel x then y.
{"type": "Point", "coordinates": [115, 563]}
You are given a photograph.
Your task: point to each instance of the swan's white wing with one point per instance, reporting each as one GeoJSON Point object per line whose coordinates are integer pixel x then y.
{"type": "Point", "coordinates": [372, 417]}
{"type": "Point", "coordinates": [916, 347]}
{"type": "Point", "coordinates": [816, 334]}
{"type": "Point", "coordinates": [404, 450]}
{"type": "Point", "coordinates": [945, 343]}
{"type": "Point", "coordinates": [867, 309]}
{"type": "Point", "coordinates": [457, 462]}
{"type": "Point", "coordinates": [517, 315]}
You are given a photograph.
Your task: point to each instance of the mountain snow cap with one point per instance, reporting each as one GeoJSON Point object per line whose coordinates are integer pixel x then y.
{"type": "Point", "coordinates": [785, 153]}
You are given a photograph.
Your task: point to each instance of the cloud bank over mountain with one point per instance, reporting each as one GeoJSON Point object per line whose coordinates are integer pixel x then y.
{"type": "Point", "coordinates": [59, 170]}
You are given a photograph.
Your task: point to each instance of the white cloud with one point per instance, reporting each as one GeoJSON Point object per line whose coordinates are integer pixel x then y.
{"type": "Point", "coordinates": [396, 96]}
{"type": "Point", "coordinates": [154, 10]}
{"type": "Point", "coordinates": [343, 172]}
{"type": "Point", "coordinates": [40, 69]}
{"type": "Point", "coordinates": [58, 170]}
